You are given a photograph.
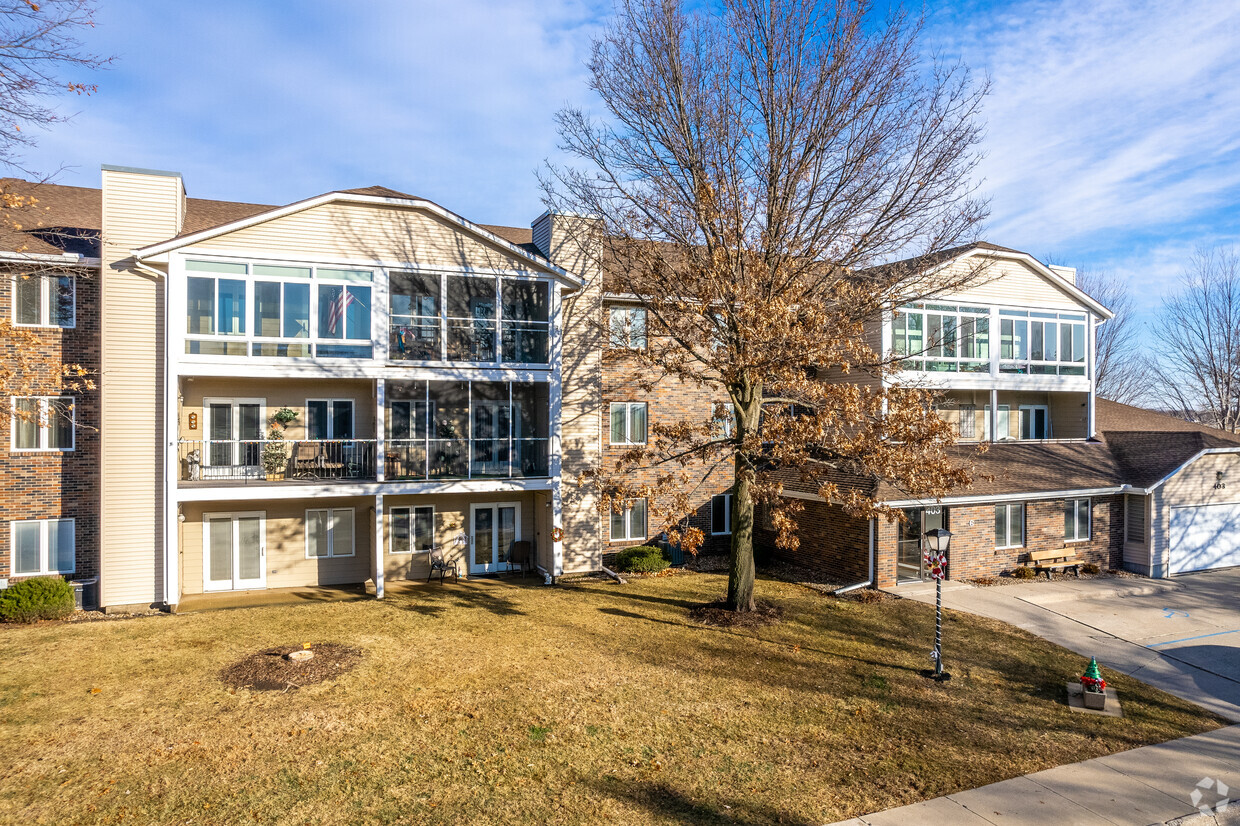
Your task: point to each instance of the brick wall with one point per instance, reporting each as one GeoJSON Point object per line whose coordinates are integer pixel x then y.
{"type": "Point", "coordinates": [837, 544]}
{"type": "Point", "coordinates": [57, 485]}
{"type": "Point", "coordinates": [670, 402]}
{"type": "Point", "coordinates": [832, 542]}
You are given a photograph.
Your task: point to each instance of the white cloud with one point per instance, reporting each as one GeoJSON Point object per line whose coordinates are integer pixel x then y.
{"type": "Point", "coordinates": [1105, 118]}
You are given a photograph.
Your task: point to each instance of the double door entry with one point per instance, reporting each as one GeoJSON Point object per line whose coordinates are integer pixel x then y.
{"type": "Point", "coordinates": [493, 529]}
{"type": "Point", "coordinates": [234, 551]}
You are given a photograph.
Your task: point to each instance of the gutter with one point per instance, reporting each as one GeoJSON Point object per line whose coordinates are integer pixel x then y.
{"type": "Point", "coordinates": [68, 258]}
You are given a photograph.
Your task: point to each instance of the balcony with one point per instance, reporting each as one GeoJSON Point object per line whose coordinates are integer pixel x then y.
{"type": "Point", "coordinates": [314, 461]}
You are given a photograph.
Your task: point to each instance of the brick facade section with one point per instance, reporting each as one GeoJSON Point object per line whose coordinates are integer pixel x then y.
{"type": "Point", "coordinates": [672, 401]}
{"type": "Point", "coordinates": [832, 542]}
{"type": "Point", "coordinates": [838, 545]}
{"type": "Point", "coordinates": [56, 485]}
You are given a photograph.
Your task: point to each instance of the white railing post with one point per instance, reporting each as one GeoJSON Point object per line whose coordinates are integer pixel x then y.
{"type": "Point", "coordinates": [380, 428]}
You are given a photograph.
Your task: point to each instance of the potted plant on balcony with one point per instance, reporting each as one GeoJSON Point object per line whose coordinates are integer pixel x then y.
{"type": "Point", "coordinates": [275, 453]}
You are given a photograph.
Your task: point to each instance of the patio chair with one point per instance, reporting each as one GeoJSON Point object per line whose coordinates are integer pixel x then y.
{"type": "Point", "coordinates": [520, 553]}
{"type": "Point", "coordinates": [442, 565]}
{"type": "Point", "coordinates": [305, 460]}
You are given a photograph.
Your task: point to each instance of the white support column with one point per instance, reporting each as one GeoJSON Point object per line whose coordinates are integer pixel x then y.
{"type": "Point", "coordinates": [993, 338]}
{"type": "Point", "coordinates": [994, 415]}
{"type": "Point", "coordinates": [380, 312]}
{"type": "Point", "coordinates": [380, 428]}
{"type": "Point", "coordinates": [1091, 347]}
{"type": "Point", "coordinates": [555, 392]}
{"type": "Point", "coordinates": [378, 543]}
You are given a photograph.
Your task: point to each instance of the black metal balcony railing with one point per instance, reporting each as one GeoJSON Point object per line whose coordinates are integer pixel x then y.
{"type": "Point", "coordinates": [309, 460]}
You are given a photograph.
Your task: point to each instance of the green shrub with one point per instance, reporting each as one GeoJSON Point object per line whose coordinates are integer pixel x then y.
{"type": "Point", "coordinates": [44, 597]}
{"type": "Point", "coordinates": [1024, 573]}
{"type": "Point", "coordinates": [642, 559]}
{"type": "Point", "coordinates": [1089, 568]}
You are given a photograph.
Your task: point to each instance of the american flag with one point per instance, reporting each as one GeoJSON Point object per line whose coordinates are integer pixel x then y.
{"type": "Point", "coordinates": [338, 308]}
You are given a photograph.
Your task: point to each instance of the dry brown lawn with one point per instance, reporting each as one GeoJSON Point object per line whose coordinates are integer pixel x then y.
{"type": "Point", "coordinates": [511, 702]}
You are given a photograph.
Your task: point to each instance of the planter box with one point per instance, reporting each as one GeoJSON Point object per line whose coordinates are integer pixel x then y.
{"type": "Point", "coordinates": [1096, 700]}
{"type": "Point", "coordinates": [275, 477]}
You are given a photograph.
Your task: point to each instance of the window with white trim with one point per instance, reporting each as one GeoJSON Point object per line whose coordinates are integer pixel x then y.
{"type": "Point", "coordinates": [329, 418]}
{"type": "Point", "coordinates": [1009, 525]}
{"type": "Point", "coordinates": [1076, 520]}
{"type": "Point", "coordinates": [630, 523]}
{"type": "Point", "coordinates": [45, 301]}
{"type": "Point", "coordinates": [968, 421]}
{"type": "Point", "coordinates": [627, 326]}
{"type": "Point", "coordinates": [721, 514]}
{"type": "Point", "coordinates": [413, 529]}
{"type": "Point", "coordinates": [43, 423]}
{"type": "Point", "coordinates": [628, 423]}
{"type": "Point", "coordinates": [329, 533]}
{"type": "Point", "coordinates": [723, 426]}
{"type": "Point", "coordinates": [41, 546]}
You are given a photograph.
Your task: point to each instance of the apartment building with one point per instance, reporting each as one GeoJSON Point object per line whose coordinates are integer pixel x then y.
{"type": "Point", "coordinates": [1011, 360]}
{"type": "Point", "coordinates": [322, 392]}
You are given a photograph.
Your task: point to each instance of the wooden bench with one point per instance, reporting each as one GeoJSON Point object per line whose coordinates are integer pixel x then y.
{"type": "Point", "coordinates": [1062, 559]}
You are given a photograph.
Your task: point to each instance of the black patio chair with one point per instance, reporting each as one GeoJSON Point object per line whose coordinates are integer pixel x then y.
{"type": "Point", "coordinates": [442, 565]}
{"type": "Point", "coordinates": [520, 553]}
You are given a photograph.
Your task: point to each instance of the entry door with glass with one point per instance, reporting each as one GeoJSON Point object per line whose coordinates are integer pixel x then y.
{"type": "Point", "coordinates": [493, 530]}
{"type": "Point", "coordinates": [234, 435]}
{"type": "Point", "coordinates": [234, 548]}
{"type": "Point", "coordinates": [910, 564]}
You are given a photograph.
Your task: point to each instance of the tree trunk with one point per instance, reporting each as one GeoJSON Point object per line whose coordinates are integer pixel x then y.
{"type": "Point", "coordinates": [741, 571]}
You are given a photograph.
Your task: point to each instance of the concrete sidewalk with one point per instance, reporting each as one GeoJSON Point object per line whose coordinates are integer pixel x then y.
{"type": "Point", "coordinates": [1149, 785]}
{"type": "Point", "coordinates": [1044, 609]}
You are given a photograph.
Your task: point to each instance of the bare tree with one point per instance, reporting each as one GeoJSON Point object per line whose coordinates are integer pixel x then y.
{"type": "Point", "coordinates": [1122, 372]}
{"type": "Point", "coordinates": [1197, 337]}
{"type": "Point", "coordinates": [759, 161]}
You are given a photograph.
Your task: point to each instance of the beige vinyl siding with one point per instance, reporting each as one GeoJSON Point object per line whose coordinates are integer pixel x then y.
{"type": "Point", "coordinates": [873, 336]}
{"type": "Point", "coordinates": [364, 232]}
{"type": "Point", "coordinates": [277, 393]}
{"type": "Point", "coordinates": [1194, 485]}
{"type": "Point", "coordinates": [1159, 535]}
{"type": "Point", "coordinates": [138, 209]}
{"type": "Point", "coordinates": [286, 562]}
{"type": "Point", "coordinates": [1069, 418]}
{"type": "Point", "coordinates": [1011, 283]}
{"type": "Point", "coordinates": [451, 521]}
{"type": "Point", "coordinates": [581, 409]}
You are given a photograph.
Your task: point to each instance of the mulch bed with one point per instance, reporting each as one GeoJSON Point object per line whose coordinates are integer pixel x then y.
{"type": "Point", "coordinates": [717, 615]}
{"type": "Point", "coordinates": [1006, 578]}
{"type": "Point", "coordinates": [270, 671]}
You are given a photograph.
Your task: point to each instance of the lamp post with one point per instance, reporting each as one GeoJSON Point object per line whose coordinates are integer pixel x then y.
{"type": "Point", "coordinates": [937, 540]}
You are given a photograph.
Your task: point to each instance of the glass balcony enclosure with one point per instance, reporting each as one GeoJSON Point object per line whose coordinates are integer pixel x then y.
{"type": "Point", "coordinates": [469, 318]}
{"type": "Point", "coordinates": [239, 309]}
{"type": "Point", "coordinates": [467, 430]}
{"type": "Point", "coordinates": [236, 308]}
{"type": "Point", "coordinates": [959, 339]}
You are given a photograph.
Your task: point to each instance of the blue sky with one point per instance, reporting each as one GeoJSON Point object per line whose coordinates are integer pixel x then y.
{"type": "Point", "coordinates": [1113, 136]}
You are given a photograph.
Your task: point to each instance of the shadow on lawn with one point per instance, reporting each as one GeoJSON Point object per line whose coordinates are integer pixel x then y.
{"type": "Point", "coordinates": [434, 599]}
{"type": "Point", "coordinates": [666, 802]}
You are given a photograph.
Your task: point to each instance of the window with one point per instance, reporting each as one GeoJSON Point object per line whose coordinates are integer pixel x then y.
{"type": "Point", "coordinates": [471, 305]}
{"type": "Point", "coordinates": [724, 426]}
{"type": "Point", "coordinates": [1039, 342]}
{"type": "Point", "coordinates": [414, 304]}
{"type": "Point", "coordinates": [1009, 526]}
{"type": "Point", "coordinates": [329, 419]}
{"type": "Point", "coordinates": [235, 308]}
{"type": "Point", "coordinates": [1076, 520]}
{"type": "Point", "coordinates": [527, 321]}
{"type": "Point", "coordinates": [942, 338]}
{"type": "Point", "coordinates": [628, 328]}
{"type": "Point", "coordinates": [721, 514]}
{"type": "Point", "coordinates": [1004, 429]}
{"type": "Point", "coordinates": [43, 423]}
{"type": "Point", "coordinates": [43, 546]}
{"type": "Point", "coordinates": [628, 423]}
{"type": "Point", "coordinates": [329, 533]}
{"type": "Point", "coordinates": [413, 529]}
{"type": "Point", "coordinates": [629, 523]}
{"type": "Point", "coordinates": [45, 301]}
{"type": "Point", "coordinates": [1134, 523]}
{"type": "Point", "coordinates": [968, 421]}
{"type": "Point", "coordinates": [1035, 421]}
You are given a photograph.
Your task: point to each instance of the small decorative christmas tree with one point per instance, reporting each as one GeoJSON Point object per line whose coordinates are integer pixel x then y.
{"type": "Point", "coordinates": [1092, 680]}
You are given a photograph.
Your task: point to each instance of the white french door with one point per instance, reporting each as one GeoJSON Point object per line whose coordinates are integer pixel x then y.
{"type": "Point", "coordinates": [234, 551]}
{"type": "Point", "coordinates": [493, 529]}
{"type": "Point", "coordinates": [234, 432]}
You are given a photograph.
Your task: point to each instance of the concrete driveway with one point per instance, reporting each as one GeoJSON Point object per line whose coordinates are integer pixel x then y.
{"type": "Point", "coordinates": [1181, 635]}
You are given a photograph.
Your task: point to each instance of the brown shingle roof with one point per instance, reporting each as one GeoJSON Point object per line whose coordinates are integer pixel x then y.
{"type": "Point", "coordinates": [1149, 445]}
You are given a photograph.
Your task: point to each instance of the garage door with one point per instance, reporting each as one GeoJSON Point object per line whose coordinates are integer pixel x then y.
{"type": "Point", "coordinates": [1204, 537]}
